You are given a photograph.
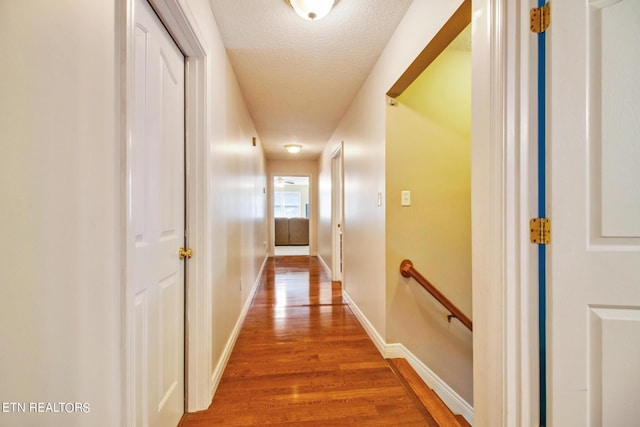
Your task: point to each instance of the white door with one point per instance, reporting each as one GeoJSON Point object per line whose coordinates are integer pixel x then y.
{"type": "Point", "coordinates": [336, 214]}
{"type": "Point", "coordinates": [158, 222]}
{"type": "Point", "coordinates": [594, 264]}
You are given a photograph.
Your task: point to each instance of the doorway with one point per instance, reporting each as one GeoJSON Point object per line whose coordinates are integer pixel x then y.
{"type": "Point", "coordinates": [428, 208]}
{"type": "Point", "coordinates": [196, 363]}
{"type": "Point", "coordinates": [337, 214]}
{"type": "Point", "coordinates": [291, 214]}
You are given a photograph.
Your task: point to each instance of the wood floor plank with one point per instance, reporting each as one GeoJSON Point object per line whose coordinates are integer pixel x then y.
{"type": "Point", "coordinates": [431, 401]}
{"type": "Point", "coordinates": [302, 358]}
{"type": "Point", "coordinates": [463, 422]}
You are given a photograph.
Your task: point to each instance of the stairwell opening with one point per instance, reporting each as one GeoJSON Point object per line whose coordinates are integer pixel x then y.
{"type": "Point", "coordinates": [428, 154]}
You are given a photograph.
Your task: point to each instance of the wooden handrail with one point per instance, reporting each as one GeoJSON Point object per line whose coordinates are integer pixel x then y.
{"type": "Point", "coordinates": [407, 270]}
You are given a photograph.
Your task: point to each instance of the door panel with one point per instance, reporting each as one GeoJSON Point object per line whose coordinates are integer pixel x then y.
{"type": "Point", "coordinates": [594, 256]}
{"type": "Point", "coordinates": [613, 374]}
{"type": "Point", "coordinates": [157, 218]}
{"type": "Point", "coordinates": [615, 128]}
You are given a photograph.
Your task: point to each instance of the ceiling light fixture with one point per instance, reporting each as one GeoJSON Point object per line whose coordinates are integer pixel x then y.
{"type": "Point", "coordinates": [312, 10]}
{"type": "Point", "coordinates": [293, 148]}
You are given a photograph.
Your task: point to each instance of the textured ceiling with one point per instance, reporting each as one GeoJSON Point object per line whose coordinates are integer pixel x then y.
{"type": "Point", "coordinates": [299, 77]}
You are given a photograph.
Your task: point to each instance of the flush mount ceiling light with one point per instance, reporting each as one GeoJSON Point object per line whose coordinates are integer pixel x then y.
{"type": "Point", "coordinates": [312, 10]}
{"type": "Point", "coordinates": [293, 148]}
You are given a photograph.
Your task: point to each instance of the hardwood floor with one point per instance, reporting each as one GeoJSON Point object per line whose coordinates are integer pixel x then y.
{"type": "Point", "coordinates": [302, 358]}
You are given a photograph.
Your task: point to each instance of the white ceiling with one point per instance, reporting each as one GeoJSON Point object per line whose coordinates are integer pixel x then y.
{"type": "Point", "coordinates": [299, 77]}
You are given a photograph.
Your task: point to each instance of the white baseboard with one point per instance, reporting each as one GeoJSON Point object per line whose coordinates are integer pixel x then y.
{"type": "Point", "coordinates": [377, 339]}
{"type": "Point", "coordinates": [228, 348]}
{"type": "Point", "coordinates": [396, 350]}
{"type": "Point", "coordinates": [324, 265]}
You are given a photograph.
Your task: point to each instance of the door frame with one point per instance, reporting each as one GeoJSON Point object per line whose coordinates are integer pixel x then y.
{"type": "Point", "coordinates": [181, 24]}
{"type": "Point", "coordinates": [271, 214]}
{"type": "Point", "coordinates": [505, 361]}
{"type": "Point", "coordinates": [337, 258]}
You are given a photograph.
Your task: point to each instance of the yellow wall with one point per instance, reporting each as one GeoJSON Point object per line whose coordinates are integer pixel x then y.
{"type": "Point", "coordinates": [428, 151]}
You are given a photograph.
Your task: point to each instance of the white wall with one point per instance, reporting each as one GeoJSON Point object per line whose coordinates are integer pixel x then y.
{"type": "Point", "coordinates": [363, 131]}
{"type": "Point", "coordinates": [60, 216]}
{"type": "Point", "coordinates": [61, 263]}
{"type": "Point", "coordinates": [237, 202]}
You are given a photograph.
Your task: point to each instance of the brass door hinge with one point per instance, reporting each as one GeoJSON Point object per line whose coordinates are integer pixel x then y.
{"type": "Point", "coordinates": [540, 231]}
{"type": "Point", "coordinates": [540, 18]}
{"type": "Point", "coordinates": [185, 253]}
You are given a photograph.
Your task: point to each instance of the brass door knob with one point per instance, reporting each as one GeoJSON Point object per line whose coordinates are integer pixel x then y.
{"type": "Point", "coordinates": [182, 253]}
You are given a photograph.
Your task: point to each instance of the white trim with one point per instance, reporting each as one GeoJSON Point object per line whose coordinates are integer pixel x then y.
{"type": "Point", "coordinates": [396, 350]}
{"type": "Point", "coordinates": [338, 150]}
{"type": "Point", "coordinates": [504, 340]}
{"type": "Point", "coordinates": [377, 339]}
{"type": "Point", "coordinates": [337, 212]}
{"type": "Point", "coordinates": [324, 265]}
{"type": "Point", "coordinates": [199, 301]}
{"type": "Point", "coordinates": [216, 375]}
{"type": "Point", "coordinates": [521, 341]}
{"type": "Point", "coordinates": [127, 116]}
{"type": "Point", "coordinates": [487, 201]}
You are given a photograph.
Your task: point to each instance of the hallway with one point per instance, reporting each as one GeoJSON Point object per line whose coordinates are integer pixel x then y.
{"type": "Point", "coordinates": [302, 358]}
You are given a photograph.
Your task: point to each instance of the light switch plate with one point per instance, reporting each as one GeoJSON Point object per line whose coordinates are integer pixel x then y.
{"type": "Point", "coordinates": [406, 198]}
